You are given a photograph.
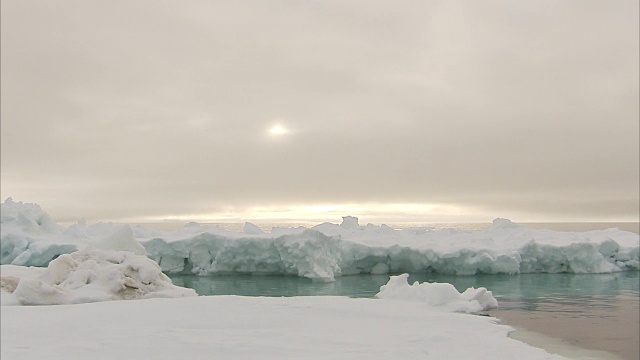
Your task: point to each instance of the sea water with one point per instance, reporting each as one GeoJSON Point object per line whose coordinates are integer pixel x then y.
{"type": "Point", "coordinates": [529, 292]}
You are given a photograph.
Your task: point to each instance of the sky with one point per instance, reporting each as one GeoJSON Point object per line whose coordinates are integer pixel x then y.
{"type": "Point", "coordinates": [423, 111]}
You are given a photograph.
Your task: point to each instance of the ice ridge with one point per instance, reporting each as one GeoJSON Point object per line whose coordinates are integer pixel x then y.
{"type": "Point", "coordinates": [29, 237]}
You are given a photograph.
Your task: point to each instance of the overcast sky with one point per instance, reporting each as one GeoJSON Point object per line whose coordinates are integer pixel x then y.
{"type": "Point", "coordinates": [388, 110]}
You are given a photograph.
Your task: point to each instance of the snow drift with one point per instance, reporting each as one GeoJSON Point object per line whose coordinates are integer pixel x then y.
{"type": "Point", "coordinates": [89, 275]}
{"type": "Point", "coordinates": [29, 237]}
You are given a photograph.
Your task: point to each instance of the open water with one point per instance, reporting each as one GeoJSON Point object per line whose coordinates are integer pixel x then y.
{"type": "Point", "coordinates": [520, 292]}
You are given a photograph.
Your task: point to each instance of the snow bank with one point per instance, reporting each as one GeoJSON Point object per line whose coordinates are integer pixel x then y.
{"type": "Point", "coordinates": [440, 295]}
{"type": "Point", "coordinates": [232, 327]}
{"type": "Point", "coordinates": [90, 275]}
{"type": "Point", "coordinates": [328, 250]}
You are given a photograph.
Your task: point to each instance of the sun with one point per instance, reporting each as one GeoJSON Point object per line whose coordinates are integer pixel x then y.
{"type": "Point", "coordinates": [278, 130]}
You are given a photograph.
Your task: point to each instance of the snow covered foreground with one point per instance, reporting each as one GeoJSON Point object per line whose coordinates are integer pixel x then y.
{"type": "Point", "coordinates": [30, 237]}
{"type": "Point", "coordinates": [233, 327]}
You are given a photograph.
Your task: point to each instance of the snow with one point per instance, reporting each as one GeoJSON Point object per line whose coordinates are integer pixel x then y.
{"type": "Point", "coordinates": [89, 275]}
{"type": "Point", "coordinates": [441, 295]}
{"type": "Point", "coordinates": [232, 327]}
{"type": "Point", "coordinates": [29, 237]}
{"type": "Point", "coordinates": [121, 238]}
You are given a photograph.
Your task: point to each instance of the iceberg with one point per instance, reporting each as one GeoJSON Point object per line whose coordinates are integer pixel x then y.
{"type": "Point", "coordinates": [29, 237]}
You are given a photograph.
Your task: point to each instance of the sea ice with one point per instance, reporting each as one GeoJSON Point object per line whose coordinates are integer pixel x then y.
{"type": "Point", "coordinates": [440, 295]}
{"type": "Point", "coordinates": [234, 327]}
{"type": "Point", "coordinates": [29, 237]}
{"type": "Point", "coordinates": [250, 228]}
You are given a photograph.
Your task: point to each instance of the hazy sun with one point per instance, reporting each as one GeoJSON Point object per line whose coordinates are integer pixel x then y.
{"type": "Point", "coordinates": [278, 130]}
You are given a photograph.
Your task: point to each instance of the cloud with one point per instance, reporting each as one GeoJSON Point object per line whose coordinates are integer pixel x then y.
{"type": "Point", "coordinates": [123, 109]}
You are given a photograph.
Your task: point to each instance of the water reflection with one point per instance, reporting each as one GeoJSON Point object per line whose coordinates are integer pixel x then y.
{"type": "Point", "coordinates": [251, 285]}
{"type": "Point", "coordinates": [528, 286]}
{"type": "Point", "coordinates": [577, 295]}
{"type": "Point", "coordinates": [506, 288]}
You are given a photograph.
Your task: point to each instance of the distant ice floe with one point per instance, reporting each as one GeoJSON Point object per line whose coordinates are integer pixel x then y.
{"type": "Point", "coordinates": [30, 237]}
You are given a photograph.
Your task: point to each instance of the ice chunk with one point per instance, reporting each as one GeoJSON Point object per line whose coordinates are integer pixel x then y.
{"type": "Point", "coordinates": [250, 228]}
{"type": "Point", "coordinates": [27, 217]}
{"type": "Point", "coordinates": [439, 295]}
{"type": "Point", "coordinates": [500, 223]}
{"type": "Point", "coordinates": [90, 275]}
{"type": "Point", "coordinates": [121, 238]}
{"type": "Point", "coordinates": [349, 222]}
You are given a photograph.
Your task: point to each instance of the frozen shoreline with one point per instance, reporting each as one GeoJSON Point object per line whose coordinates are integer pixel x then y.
{"type": "Point", "coordinates": [232, 327]}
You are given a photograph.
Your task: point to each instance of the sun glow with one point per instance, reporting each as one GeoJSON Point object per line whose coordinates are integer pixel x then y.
{"type": "Point", "coordinates": [278, 130]}
{"type": "Point", "coordinates": [317, 213]}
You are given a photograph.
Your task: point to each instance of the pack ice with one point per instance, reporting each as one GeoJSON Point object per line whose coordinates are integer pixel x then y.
{"type": "Point", "coordinates": [30, 237]}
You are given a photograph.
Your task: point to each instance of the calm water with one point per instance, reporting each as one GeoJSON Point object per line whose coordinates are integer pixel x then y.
{"type": "Point", "coordinates": [529, 290]}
